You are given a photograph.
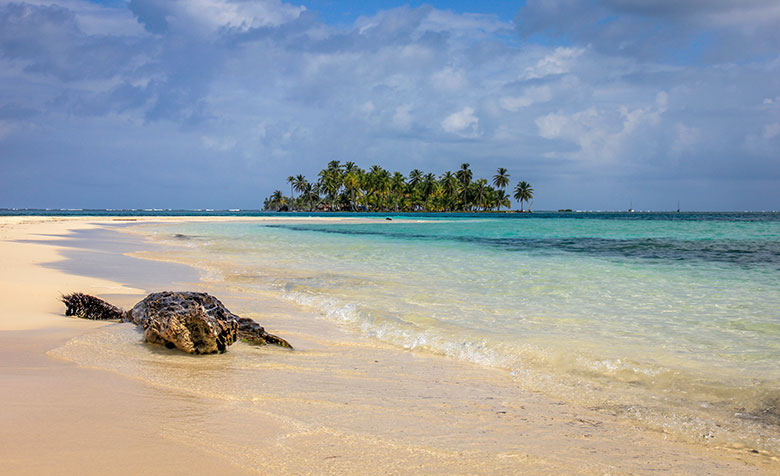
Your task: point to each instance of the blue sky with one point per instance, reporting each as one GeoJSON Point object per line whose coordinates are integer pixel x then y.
{"type": "Point", "coordinates": [337, 12]}
{"type": "Point", "coordinates": [213, 103]}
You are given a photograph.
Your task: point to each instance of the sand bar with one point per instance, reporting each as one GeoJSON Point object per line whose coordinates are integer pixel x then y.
{"type": "Point", "coordinates": [339, 404]}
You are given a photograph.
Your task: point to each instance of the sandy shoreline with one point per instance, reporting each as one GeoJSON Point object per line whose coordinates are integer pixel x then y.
{"type": "Point", "coordinates": [327, 408]}
{"type": "Point", "coordinates": [59, 418]}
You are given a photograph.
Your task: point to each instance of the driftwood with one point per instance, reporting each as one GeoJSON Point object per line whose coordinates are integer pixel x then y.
{"type": "Point", "coordinates": [196, 323]}
{"type": "Point", "coordinates": [90, 307]}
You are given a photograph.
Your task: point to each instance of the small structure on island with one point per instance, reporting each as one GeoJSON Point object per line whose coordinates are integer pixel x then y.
{"type": "Point", "coordinates": [196, 323]}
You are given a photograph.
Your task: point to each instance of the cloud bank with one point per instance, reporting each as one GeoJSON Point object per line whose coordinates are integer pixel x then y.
{"type": "Point", "coordinates": [212, 103]}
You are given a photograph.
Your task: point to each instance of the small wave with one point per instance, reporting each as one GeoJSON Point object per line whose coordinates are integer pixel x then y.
{"type": "Point", "coordinates": [395, 331]}
{"type": "Point", "coordinates": [661, 398]}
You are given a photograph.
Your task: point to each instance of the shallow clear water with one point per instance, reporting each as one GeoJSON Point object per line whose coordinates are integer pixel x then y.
{"type": "Point", "coordinates": [673, 320]}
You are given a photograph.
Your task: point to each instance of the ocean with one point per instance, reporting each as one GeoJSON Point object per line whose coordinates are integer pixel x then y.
{"type": "Point", "coordinates": [670, 320]}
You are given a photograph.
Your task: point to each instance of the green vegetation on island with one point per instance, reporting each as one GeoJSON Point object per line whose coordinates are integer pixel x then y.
{"type": "Point", "coordinates": [348, 188]}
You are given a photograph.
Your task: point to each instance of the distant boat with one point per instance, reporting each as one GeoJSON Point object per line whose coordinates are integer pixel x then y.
{"type": "Point", "coordinates": [631, 207]}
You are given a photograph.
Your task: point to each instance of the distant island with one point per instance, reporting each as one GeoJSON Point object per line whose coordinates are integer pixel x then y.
{"type": "Point", "coordinates": [348, 188]}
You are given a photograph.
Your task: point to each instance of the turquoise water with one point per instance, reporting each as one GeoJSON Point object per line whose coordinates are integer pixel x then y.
{"type": "Point", "coordinates": [672, 320]}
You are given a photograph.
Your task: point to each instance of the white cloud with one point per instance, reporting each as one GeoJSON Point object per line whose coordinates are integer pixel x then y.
{"type": "Point", "coordinates": [463, 122]}
{"type": "Point", "coordinates": [94, 19]}
{"type": "Point", "coordinates": [771, 130]}
{"type": "Point", "coordinates": [469, 24]}
{"type": "Point", "coordinates": [220, 143]}
{"type": "Point", "coordinates": [560, 61]}
{"type": "Point", "coordinates": [686, 138]}
{"type": "Point", "coordinates": [552, 126]}
{"type": "Point", "coordinates": [529, 96]}
{"type": "Point", "coordinates": [763, 143]}
{"type": "Point", "coordinates": [449, 79]}
{"type": "Point", "coordinates": [233, 14]}
{"type": "Point", "coordinates": [662, 101]}
{"type": "Point", "coordinates": [402, 117]}
{"type": "Point", "coordinates": [504, 133]}
{"type": "Point", "coordinates": [603, 135]}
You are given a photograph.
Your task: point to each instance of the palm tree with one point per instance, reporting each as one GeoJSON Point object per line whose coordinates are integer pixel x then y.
{"type": "Point", "coordinates": [299, 184]}
{"type": "Point", "coordinates": [398, 186]}
{"type": "Point", "coordinates": [275, 201]}
{"type": "Point", "coordinates": [481, 184]}
{"type": "Point", "coordinates": [331, 180]}
{"type": "Point", "coordinates": [365, 188]}
{"type": "Point", "coordinates": [501, 179]}
{"type": "Point", "coordinates": [502, 199]}
{"type": "Point", "coordinates": [524, 192]}
{"type": "Point", "coordinates": [428, 186]}
{"type": "Point", "coordinates": [383, 187]}
{"type": "Point", "coordinates": [449, 184]}
{"type": "Point", "coordinates": [291, 181]}
{"type": "Point", "coordinates": [378, 184]}
{"type": "Point", "coordinates": [310, 195]}
{"type": "Point", "coordinates": [352, 182]}
{"type": "Point", "coordinates": [464, 176]}
{"type": "Point", "coordinates": [415, 176]}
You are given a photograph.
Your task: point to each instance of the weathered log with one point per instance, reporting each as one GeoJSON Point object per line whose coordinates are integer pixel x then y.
{"type": "Point", "coordinates": [196, 323]}
{"type": "Point", "coordinates": [89, 307]}
{"type": "Point", "coordinates": [252, 332]}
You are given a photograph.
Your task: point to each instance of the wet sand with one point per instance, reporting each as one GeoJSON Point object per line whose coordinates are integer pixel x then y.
{"type": "Point", "coordinates": [338, 404]}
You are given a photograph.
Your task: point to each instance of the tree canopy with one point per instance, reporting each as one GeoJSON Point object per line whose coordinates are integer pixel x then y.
{"type": "Point", "coordinates": [347, 187]}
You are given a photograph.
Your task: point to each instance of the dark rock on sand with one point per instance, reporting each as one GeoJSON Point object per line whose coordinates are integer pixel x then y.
{"type": "Point", "coordinates": [196, 323]}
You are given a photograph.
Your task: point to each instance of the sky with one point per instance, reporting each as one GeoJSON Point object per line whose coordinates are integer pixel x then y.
{"type": "Point", "coordinates": [599, 104]}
